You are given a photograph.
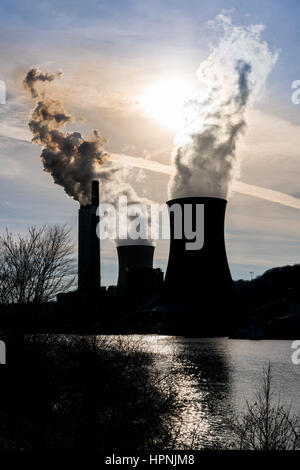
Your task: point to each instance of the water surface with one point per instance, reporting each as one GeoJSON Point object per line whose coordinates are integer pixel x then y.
{"type": "Point", "coordinates": [214, 376]}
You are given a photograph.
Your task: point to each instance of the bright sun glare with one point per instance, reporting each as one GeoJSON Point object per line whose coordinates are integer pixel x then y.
{"type": "Point", "coordinates": [164, 100]}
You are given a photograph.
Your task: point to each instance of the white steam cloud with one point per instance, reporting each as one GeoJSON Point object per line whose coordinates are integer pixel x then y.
{"type": "Point", "coordinates": [231, 79]}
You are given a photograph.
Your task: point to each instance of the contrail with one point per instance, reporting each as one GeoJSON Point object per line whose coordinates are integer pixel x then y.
{"type": "Point", "coordinates": [237, 186]}
{"type": "Point", "coordinates": [138, 162]}
{"type": "Point", "coordinates": [266, 194]}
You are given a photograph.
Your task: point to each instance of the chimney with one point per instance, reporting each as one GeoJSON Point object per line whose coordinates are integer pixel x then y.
{"type": "Point", "coordinates": [95, 193]}
{"type": "Point", "coordinates": [133, 257]}
{"type": "Point", "coordinates": [89, 244]}
{"type": "Point", "coordinates": [199, 281]}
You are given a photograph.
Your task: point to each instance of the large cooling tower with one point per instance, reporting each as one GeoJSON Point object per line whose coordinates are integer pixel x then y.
{"type": "Point", "coordinates": [89, 244]}
{"type": "Point", "coordinates": [199, 281]}
{"type": "Point", "coordinates": [133, 257]}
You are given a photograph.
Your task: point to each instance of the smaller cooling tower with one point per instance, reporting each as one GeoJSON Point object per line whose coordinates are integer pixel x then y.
{"type": "Point", "coordinates": [133, 257]}
{"type": "Point", "coordinates": [89, 244]}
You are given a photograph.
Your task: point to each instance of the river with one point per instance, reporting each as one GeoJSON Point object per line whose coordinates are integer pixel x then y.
{"type": "Point", "coordinates": [214, 376]}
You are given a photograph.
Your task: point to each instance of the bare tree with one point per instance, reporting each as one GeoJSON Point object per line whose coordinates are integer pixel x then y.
{"type": "Point", "coordinates": [267, 424]}
{"type": "Point", "coordinates": [35, 267]}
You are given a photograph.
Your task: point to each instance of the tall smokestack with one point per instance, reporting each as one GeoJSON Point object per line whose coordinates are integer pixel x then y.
{"type": "Point", "coordinates": [133, 257]}
{"type": "Point", "coordinates": [199, 281]}
{"type": "Point", "coordinates": [95, 193]}
{"type": "Point", "coordinates": [89, 244]}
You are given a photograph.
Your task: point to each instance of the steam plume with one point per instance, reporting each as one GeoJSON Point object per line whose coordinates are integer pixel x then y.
{"type": "Point", "coordinates": [71, 160]}
{"type": "Point", "coordinates": [232, 78]}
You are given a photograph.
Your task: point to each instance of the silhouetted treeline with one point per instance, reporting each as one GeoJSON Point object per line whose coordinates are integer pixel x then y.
{"type": "Point", "coordinates": [75, 393]}
{"type": "Point", "coordinates": [274, 288]}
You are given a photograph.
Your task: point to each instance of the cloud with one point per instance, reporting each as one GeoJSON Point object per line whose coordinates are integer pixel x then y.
{"type": "Point", "coordinates": [270, 152]}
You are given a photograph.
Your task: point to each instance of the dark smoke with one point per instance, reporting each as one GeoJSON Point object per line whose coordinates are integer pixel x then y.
{"type": "Point", "coordinates": [72, 161]}
{"type": "Point", "coordinates": [34, 76]}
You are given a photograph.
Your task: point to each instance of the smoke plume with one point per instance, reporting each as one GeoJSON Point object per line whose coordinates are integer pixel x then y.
{"type": "Point", "coordinates": [72, 161]}
{"type": "Point", "coordinates": [232, 78]}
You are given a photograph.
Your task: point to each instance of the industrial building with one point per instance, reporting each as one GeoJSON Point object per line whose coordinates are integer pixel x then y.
{"type": "Point", "coordinates": [196, 292]}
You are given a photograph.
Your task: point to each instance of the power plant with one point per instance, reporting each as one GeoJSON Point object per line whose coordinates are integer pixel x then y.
{"type": "Point", "coordinates": [197, 293]}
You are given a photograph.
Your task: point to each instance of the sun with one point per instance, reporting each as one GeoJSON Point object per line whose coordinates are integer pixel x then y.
{"type": "Point", "coordinates": [165, 99]}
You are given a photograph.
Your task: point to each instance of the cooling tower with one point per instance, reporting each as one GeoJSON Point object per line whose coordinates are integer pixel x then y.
{"type": "Point", "coordinates": [198, 282]}
{"type": "Point", "coordinates": [133, 257]}
{"type": "Point", "coordinates": [89, 244]}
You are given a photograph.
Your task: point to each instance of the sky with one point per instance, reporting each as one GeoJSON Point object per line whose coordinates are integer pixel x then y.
{"type": "Point", "coordinates": [111, 54]}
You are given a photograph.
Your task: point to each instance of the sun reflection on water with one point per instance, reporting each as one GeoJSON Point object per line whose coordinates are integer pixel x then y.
{"type": "Point", "coordinates": [202, 384]}
{"type": "Point", "coordinates": [212, 377]}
